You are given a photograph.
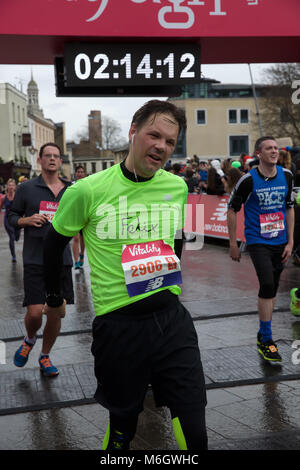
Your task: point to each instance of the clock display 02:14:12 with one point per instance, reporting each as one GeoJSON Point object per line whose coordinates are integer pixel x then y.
{"type": "Point", "coordinates": [83, 67]}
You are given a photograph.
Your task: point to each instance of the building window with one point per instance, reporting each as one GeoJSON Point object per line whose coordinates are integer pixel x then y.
{"type": "Point", "coordinates": [232, 114]}
{"type": "Point", "coordinates": [236, 116]}
{"type": "Point", "coordinates": [238, 144]}
{"type": "Point", "coordinates": [93, 167]}
{"type": "Point", "coordinates": [244, 118]}
{"type": "Point", "coordinates": [201, 116]}
{"type": "Point", "coordinates": [13, 112]}
{"type": "Point", "coordinates": [180, 149]}
{"type": "Point", "coordinates": [104, 165]}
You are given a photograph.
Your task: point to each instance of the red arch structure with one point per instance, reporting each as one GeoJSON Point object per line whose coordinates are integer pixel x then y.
{"type": "Point", "coordinates": [229, 31]}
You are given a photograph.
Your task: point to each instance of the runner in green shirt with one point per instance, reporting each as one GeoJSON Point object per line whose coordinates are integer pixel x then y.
{"type": "Point", "coordinates": [129, 215]}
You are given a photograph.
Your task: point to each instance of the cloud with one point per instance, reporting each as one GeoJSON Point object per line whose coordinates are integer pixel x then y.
{"type": "Point", "coordinates": [74, 111]}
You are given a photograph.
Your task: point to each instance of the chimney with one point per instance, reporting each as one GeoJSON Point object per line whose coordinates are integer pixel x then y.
{"type": "Point", "coordinates": [95, 134]}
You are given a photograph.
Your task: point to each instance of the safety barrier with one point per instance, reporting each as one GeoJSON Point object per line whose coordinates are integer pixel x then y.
{"type": "Point", "coordinates": [207, 215]}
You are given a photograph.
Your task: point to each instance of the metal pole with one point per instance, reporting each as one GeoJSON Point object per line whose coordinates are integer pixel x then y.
{"type": "Point", "coordinates": [256, 103]}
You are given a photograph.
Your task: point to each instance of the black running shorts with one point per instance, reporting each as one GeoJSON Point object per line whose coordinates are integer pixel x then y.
{"type": "Point", "coordinates": [267, 261]}
{"type": "Point", "coordinates": [144, 344]}
{"type": "Point", "coordinates": [34, 285]}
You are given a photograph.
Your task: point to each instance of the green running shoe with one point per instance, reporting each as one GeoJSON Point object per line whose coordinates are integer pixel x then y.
{"type": "Point", "coordinates": [295, 302]}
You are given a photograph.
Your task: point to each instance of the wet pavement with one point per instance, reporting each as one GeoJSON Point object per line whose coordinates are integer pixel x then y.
{"type": "Point", "coordinates": [251, 404]}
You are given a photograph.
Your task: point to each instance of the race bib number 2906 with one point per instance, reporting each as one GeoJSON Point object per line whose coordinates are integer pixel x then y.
{"type": "Point", "coordinates": [149, 266]}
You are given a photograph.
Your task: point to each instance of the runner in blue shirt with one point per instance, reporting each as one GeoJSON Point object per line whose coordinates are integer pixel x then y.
{"type": "Point", "coordinates": [266, 192]}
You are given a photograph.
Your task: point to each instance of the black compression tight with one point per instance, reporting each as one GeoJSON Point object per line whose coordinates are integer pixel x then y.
{"type": "Point", "coordinates": [189, 430]}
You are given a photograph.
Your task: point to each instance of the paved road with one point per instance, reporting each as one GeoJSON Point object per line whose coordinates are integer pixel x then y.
{"type": "Point", "coordinates": [251, 405]}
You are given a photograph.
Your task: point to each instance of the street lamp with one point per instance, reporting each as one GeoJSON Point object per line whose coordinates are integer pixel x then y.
{"type": "Point", "coordinates": [256, 103]}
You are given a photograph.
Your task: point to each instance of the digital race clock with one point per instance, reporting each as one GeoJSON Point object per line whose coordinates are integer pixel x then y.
{"type": "Point", "coordinates": [132, 64]}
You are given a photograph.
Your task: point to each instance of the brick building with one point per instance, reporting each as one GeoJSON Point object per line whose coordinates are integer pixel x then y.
{"type": "Point", "coordinates": [89, 152]}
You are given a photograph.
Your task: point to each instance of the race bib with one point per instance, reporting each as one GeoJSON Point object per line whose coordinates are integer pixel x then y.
{"type": "Point", "coordinates": [149, 266]}
{"type": "Point", "coordinates": [272, 225]}
{"type": "Point", "coordinates": [48, 208]}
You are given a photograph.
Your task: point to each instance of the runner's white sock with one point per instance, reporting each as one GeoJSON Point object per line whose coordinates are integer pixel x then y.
{"type": "Point", "coordinates": [30, 341]}
{"type": "Point", "coordinates": [43, 354]}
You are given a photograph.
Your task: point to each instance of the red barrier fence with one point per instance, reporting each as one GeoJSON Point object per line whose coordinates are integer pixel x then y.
{"type": "Point", "coordinates": [208, 214]}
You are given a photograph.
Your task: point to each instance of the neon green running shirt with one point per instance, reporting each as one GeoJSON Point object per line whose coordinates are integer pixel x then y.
{"type": "Point", "coordinates": [119, 216]}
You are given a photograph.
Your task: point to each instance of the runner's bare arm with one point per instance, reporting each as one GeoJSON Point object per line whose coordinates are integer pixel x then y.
{"type": "Point", "coordinates": [290, 223]}
{"type": "Point", "coordinates": [234, 251]}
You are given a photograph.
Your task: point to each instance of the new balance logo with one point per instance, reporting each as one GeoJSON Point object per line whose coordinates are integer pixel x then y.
{"type": "Point", "coordinates": [155, 284]}
{"type": "Point", "coordinates": [221, 211]}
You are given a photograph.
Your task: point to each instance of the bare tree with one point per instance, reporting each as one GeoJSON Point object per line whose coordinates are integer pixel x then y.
{"type": "Point", "coordinates": [111, 134]}
{"type": "Point", "coordinates": [280, 116]}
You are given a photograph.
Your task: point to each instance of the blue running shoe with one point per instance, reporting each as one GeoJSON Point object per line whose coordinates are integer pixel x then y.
{"type": "Point", "coordinates": [22, 354]}
{"type": "Point", "coordinates": [46, 366]}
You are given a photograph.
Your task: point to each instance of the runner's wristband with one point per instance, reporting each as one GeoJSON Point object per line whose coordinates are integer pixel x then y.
{"type": "Point", "coordinates": [54, 300]}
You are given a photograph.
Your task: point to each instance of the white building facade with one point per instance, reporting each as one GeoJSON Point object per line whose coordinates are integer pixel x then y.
{"type": "Point", "coordinates": [42, 130]}
{"type": "Point", "coordinates": [13, 124]}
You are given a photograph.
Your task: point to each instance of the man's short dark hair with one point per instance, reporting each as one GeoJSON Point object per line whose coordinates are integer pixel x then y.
{"type": "Point", "coordinates": [259, 141]}
{"type": "Point", "coordinates": [50, 144]}
{"type": "Point", "coordinates": [79, 167]}
{"type": "Point", "coordinates": [176, 167]}
{"type": "Point", "coordinates": [159, 107]}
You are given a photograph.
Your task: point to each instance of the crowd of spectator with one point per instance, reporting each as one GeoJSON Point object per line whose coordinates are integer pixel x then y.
{"type": "Point", "coordinates": [219, 176]}
{"type": "Point", "coordinates": [215, 176]}
{"type": "Point", "coordinates": [3, 186]}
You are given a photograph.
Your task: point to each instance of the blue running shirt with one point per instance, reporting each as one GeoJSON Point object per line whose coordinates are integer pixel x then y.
{"type": "Point", "coordinates": [265, 203]}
